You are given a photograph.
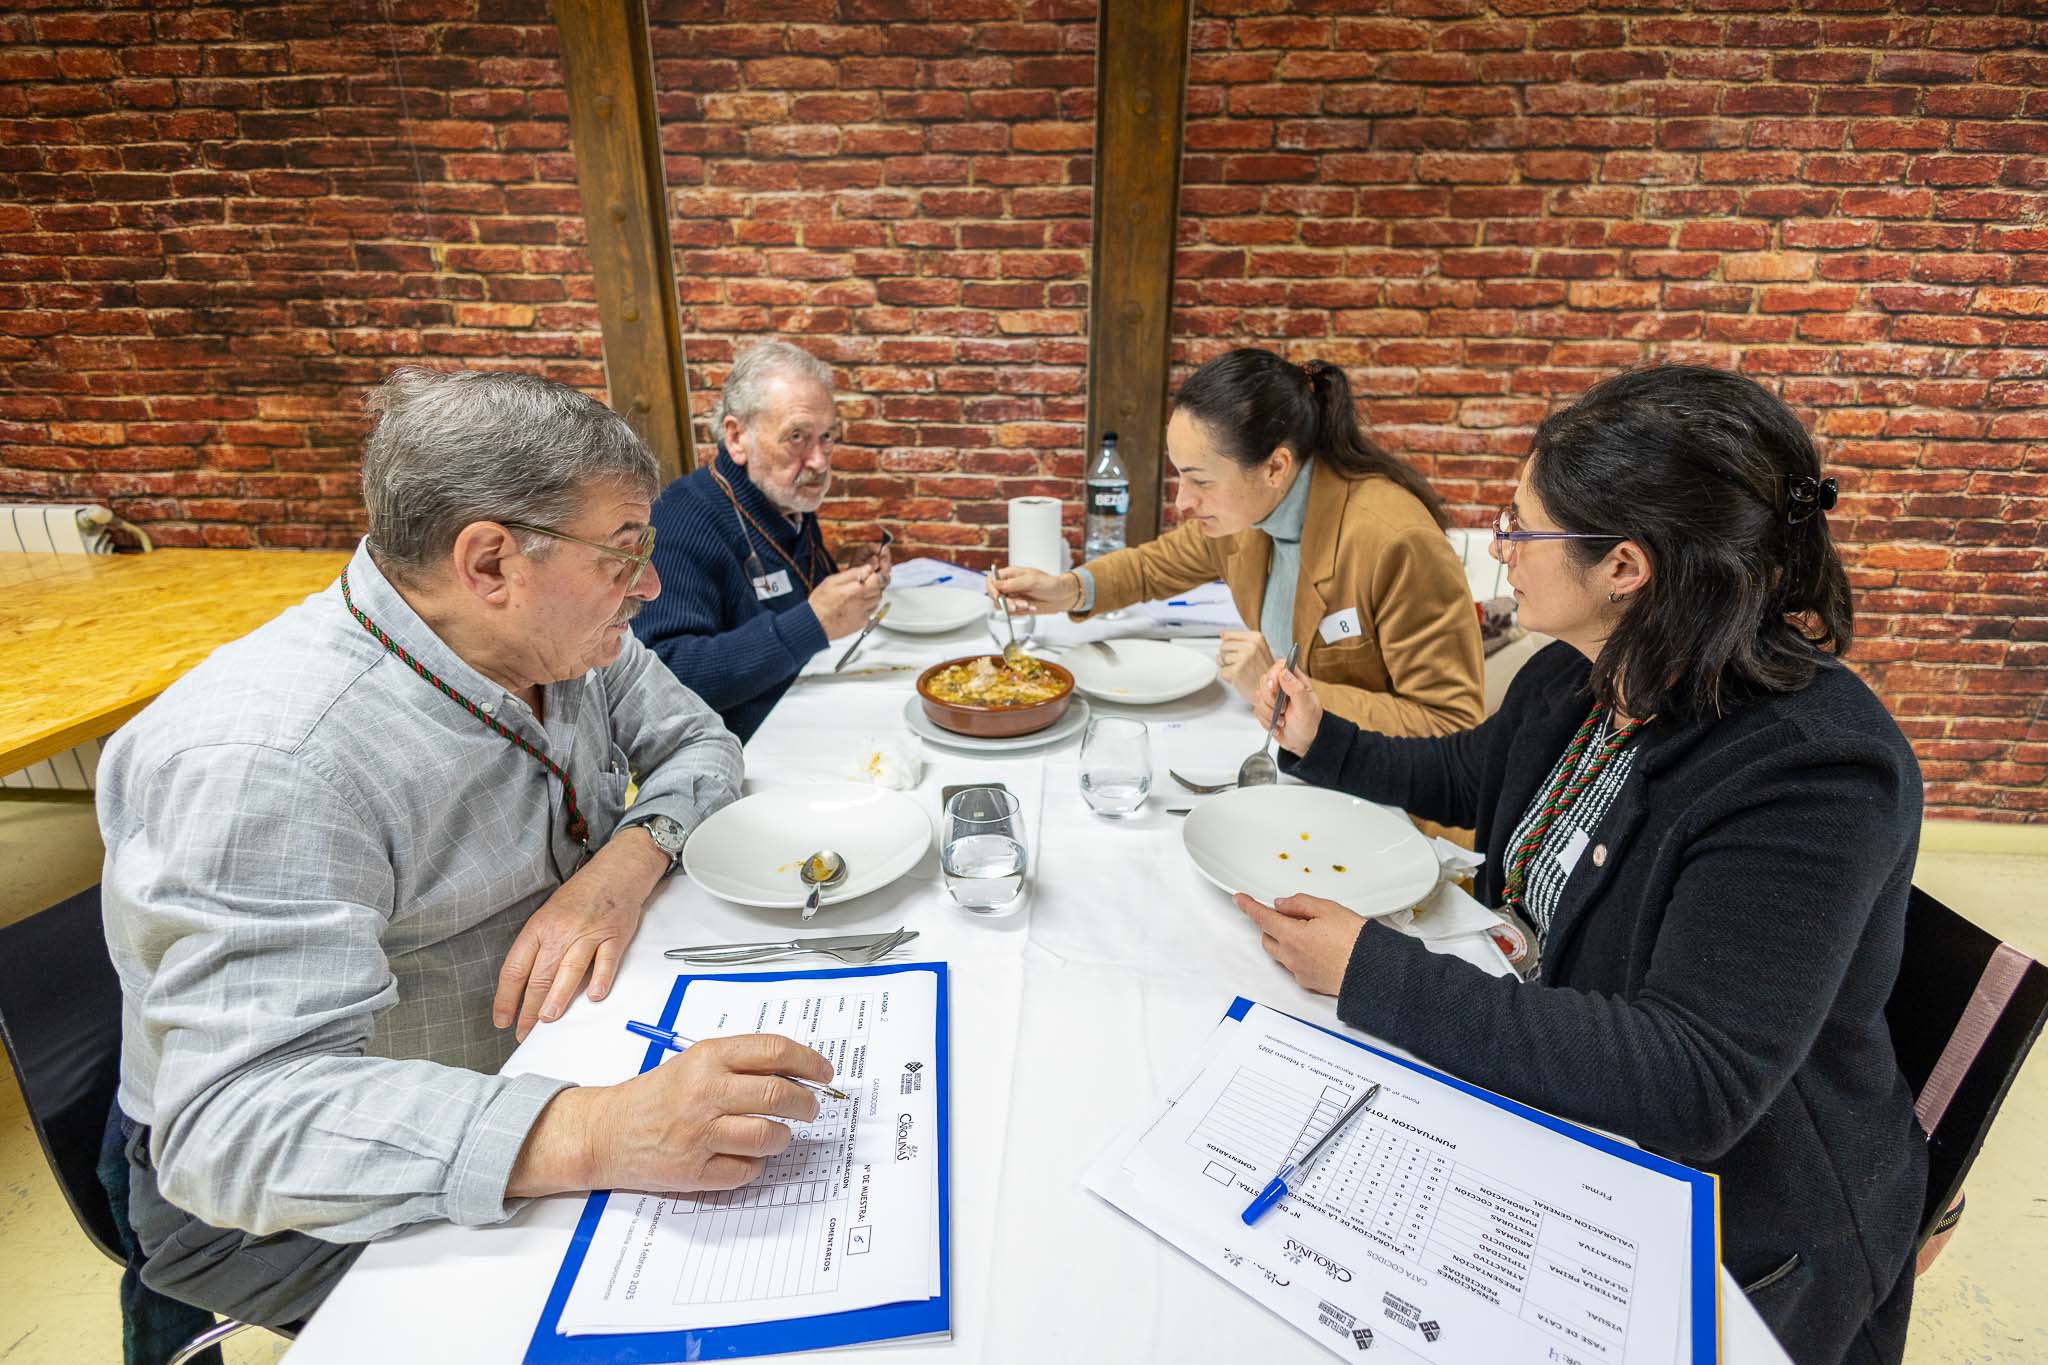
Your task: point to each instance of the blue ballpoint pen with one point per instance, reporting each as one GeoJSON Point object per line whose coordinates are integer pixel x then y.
{"type": "Point", "coordinates": [1276, 1188]}
{"type": "Point", "coordinates": [676, 1042]}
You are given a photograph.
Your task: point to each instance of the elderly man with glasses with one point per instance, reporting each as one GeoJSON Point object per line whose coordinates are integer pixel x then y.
{"type": "Point", "coordinates": [752, 591]}
{"type": "Point", "coordinates": [355, 856]}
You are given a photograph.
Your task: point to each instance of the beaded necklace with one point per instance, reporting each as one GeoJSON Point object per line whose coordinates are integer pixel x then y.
{"type": "Point", "coordinates": [579, 828]}
{"type": "Point", "coordinates": [1563, 793]}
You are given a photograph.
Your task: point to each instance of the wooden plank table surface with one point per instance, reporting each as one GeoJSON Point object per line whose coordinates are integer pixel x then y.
{"type": "Point", "coordinates": [90, 640]}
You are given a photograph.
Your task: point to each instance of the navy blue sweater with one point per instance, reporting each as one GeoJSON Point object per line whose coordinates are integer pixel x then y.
{"type": "Point", "coordinates": [735, 649]}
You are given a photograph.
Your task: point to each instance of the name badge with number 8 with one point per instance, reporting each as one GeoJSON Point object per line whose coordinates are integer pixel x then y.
{"type": "Point", "coordinates": [1340, 625]}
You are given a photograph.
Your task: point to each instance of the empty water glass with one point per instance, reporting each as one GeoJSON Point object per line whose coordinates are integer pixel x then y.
{"type": "Point", "coordinates": [1116, 766]}
{"type": "Point", "coordinates": [981, 850]}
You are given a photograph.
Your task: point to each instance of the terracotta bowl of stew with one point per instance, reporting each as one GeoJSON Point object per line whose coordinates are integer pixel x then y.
{"type": "Point", "coordinates": [985, 721]}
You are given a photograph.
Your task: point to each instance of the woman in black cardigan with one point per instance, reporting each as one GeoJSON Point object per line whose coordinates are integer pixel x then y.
{"type": "Point", "coordinates": [1709, 823]}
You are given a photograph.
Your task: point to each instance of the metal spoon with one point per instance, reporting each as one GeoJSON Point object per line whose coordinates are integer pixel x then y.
{"type": "Point", "coordinates": [821, 872]}
{"type": "Point", "coordinates": [1013, 653]}
{"type": "Point", "coordinates": [1260, 770]}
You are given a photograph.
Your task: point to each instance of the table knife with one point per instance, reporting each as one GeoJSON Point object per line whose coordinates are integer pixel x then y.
{"type": "Point", "coordinates": [873, 621]}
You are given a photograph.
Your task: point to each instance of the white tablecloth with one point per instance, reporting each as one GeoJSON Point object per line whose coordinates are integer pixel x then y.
{"type": "Point", "coordinates": [1070, 1017]}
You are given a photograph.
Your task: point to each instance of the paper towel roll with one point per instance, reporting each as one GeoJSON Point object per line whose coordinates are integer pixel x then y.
{"type": "Point", "coordinates": [1035, 539]}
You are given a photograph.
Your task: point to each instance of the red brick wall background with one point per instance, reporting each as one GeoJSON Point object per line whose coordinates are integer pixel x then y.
{"type": "Point", "coordinates": [217, 225]}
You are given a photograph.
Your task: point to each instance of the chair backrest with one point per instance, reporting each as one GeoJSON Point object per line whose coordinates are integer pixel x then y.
{"type": "Point", "coordinates": [1963, 1014]}
{"type": "Point", "coordinates": [60, 1017]}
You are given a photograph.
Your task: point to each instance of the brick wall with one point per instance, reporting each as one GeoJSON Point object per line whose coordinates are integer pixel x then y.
{"type": "Point", "coordinates": [218, 224]}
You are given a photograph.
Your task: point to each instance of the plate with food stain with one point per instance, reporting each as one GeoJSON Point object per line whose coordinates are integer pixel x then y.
{"type": "Point", "coordinates": [1278, 841]}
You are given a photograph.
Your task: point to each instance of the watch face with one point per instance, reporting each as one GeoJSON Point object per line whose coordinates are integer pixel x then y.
{"type": "Point", "coordinates": [667, 835]}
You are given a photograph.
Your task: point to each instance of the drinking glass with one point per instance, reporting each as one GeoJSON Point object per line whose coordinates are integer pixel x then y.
{"type": "Point", "coordinates": [1116, 766]}
{"type": "Point", "coordinates": [981, 850]}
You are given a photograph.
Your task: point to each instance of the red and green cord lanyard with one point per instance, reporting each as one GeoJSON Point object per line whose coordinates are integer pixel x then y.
{"type": "Point", "coordinates": [579, 828]}
{"type": "Point", "coordinates": [1563, 793]}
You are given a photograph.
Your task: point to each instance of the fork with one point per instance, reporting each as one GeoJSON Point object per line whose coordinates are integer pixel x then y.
{"type": "Point", "coordinates": [852, 957]}
{"type": "Point", "coordinates": [1200, 788]}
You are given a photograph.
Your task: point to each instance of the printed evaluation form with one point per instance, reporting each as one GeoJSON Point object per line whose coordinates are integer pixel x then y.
{"type": "Point", "coordinates": [1438, 1226]}
{"type": "Point", "coordinates": [846, 1218]}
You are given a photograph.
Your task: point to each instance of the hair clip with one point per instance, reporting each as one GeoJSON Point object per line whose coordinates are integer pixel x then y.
{"type": "Point", "coordinates": [1805, 495]}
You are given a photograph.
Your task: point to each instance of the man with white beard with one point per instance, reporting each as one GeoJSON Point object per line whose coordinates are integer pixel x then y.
{"type": "Point", "coordinates": [752, 592]}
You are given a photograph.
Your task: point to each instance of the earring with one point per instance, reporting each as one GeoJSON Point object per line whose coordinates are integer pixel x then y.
{"type": "Point", "coordinates": [1614, 597]}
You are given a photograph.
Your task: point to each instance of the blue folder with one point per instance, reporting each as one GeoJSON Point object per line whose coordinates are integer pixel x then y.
{"type": "Point", "coordinates": [912, 1318]}
{"type": "Point", "coordinates": [1703, 1188]}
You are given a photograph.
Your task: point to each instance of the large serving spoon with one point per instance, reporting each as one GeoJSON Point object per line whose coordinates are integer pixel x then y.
{"type": "Point", "coordinates": [821, 872]}
{"type": "Point", "coordinates": [1260, 770]}
{"type": "Point", "coordinates": [1013, 653]}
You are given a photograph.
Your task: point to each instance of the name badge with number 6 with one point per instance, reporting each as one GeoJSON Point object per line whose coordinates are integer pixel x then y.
{"type": "Point", "coordinates": [1340, 625]}
{"type": "Point", "coordinates": [772, 585]}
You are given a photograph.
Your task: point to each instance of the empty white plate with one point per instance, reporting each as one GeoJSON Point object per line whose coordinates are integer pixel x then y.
{"type": "Point", "coordinates": [924, 727]}
{"type": "Point", "coordinates": [1139, 672]}
{"type": "Point", "coordinates": [749, 852]}
{"type": "Point", "coordinates": [932, 611]}
{"type": "Point", "coordinates": [1276, 841]}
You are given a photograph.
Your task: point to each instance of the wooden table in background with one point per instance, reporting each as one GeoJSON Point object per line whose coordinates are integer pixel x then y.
{"type": "Point", "coordinates": [89, 640]}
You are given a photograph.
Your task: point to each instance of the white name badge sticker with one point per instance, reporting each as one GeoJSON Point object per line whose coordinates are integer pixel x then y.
{"type": "Point", "coordinates": [1340, 625]}
{"type": "Point", "coordinates": [772, 585]}
{"type": "Point", "coordinates": [1573, 850]}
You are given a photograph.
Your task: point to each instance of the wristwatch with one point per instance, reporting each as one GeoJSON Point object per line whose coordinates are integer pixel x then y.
{"type": "Point", "coordinates": [668, 836]}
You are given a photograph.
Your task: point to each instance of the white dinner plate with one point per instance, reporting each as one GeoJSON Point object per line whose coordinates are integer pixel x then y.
{"type": "Point", "coordinates": [749, 852]}
{"type": "Point", "coordinates": [1276, 841]}
{"type": "Point", "coordinates": [1139, 672]}
{"type": "Point", "coordinates": [924, 727]}
{"type": "Point", "coordinates": [932, 611]}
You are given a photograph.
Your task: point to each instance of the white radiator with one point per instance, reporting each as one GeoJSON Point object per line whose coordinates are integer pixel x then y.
{"type": "Point", "coordinates": [1486, 575]}
{"type": "Point", "coordinates": [55, 528]}
{"type": "Point", "coordinates": [59, 529]}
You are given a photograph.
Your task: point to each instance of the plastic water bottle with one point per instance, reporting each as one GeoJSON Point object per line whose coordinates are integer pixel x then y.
{"type": "Point", "coordinates": [1109, 501]}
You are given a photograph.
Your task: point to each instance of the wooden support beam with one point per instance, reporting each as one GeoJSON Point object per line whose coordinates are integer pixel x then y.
{"type": "Point", "coordinates": [1141, 83]}
{"type": "Point", "coordinates": [608, 63]}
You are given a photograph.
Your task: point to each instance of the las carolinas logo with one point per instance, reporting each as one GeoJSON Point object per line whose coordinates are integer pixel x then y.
{"type": "Point", "coordinates": [1297, 1252]}
{"type": "Point", "coordinates": [906, 1150]}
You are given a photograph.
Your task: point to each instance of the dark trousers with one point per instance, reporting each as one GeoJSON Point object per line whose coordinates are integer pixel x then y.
{"type": "Point", "coordinates": [1822, 1314]}
{"type": "Point", "coordinates": [1883, 1338]}
{"type": "Point", "coordinates": [273, 1281]}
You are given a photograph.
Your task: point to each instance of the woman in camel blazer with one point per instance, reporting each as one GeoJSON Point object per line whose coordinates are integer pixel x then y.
{"type": "Point", "coordinates": [1323, 539]}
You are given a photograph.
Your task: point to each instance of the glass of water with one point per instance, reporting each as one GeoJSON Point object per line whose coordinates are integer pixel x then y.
{"type": "Point", "coordinates": [1116, 766]}
{"type": "Point", "coordinates": [981, 849]}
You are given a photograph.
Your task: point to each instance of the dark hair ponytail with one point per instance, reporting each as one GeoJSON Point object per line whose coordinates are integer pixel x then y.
{"type": "Point", "coordinates": [1720, 485]}
{"type": "Point", "coordinates": [1253, 402]}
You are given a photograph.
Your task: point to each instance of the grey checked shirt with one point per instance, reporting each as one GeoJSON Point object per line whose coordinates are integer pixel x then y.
{"type": "Point", "coordinates": [316, 863]}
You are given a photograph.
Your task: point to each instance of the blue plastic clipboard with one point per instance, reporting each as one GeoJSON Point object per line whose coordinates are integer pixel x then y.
{"type": "Point", "coordinates": [1703, 1188]}
{"type": "Point", "coordinates": [884, 1322]}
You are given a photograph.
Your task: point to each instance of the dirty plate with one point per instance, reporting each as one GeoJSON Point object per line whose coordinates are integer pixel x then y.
{"type": "Point", "coordinates": [1276, 841]}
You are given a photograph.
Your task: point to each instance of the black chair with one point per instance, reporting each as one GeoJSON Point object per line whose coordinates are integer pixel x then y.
{"type": "Point", "coordinates": [1962, 1016]}
{"type": "Point", "coordinates": [60, 1018]}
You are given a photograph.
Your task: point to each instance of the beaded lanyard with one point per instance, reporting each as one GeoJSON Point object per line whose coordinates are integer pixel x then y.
{"type": "Point", "coordinates": [579, 828]}
{"type": "Point", "coordinates": [1563, 792]}
{"type": "Point", "coordinates": [773, 543]}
